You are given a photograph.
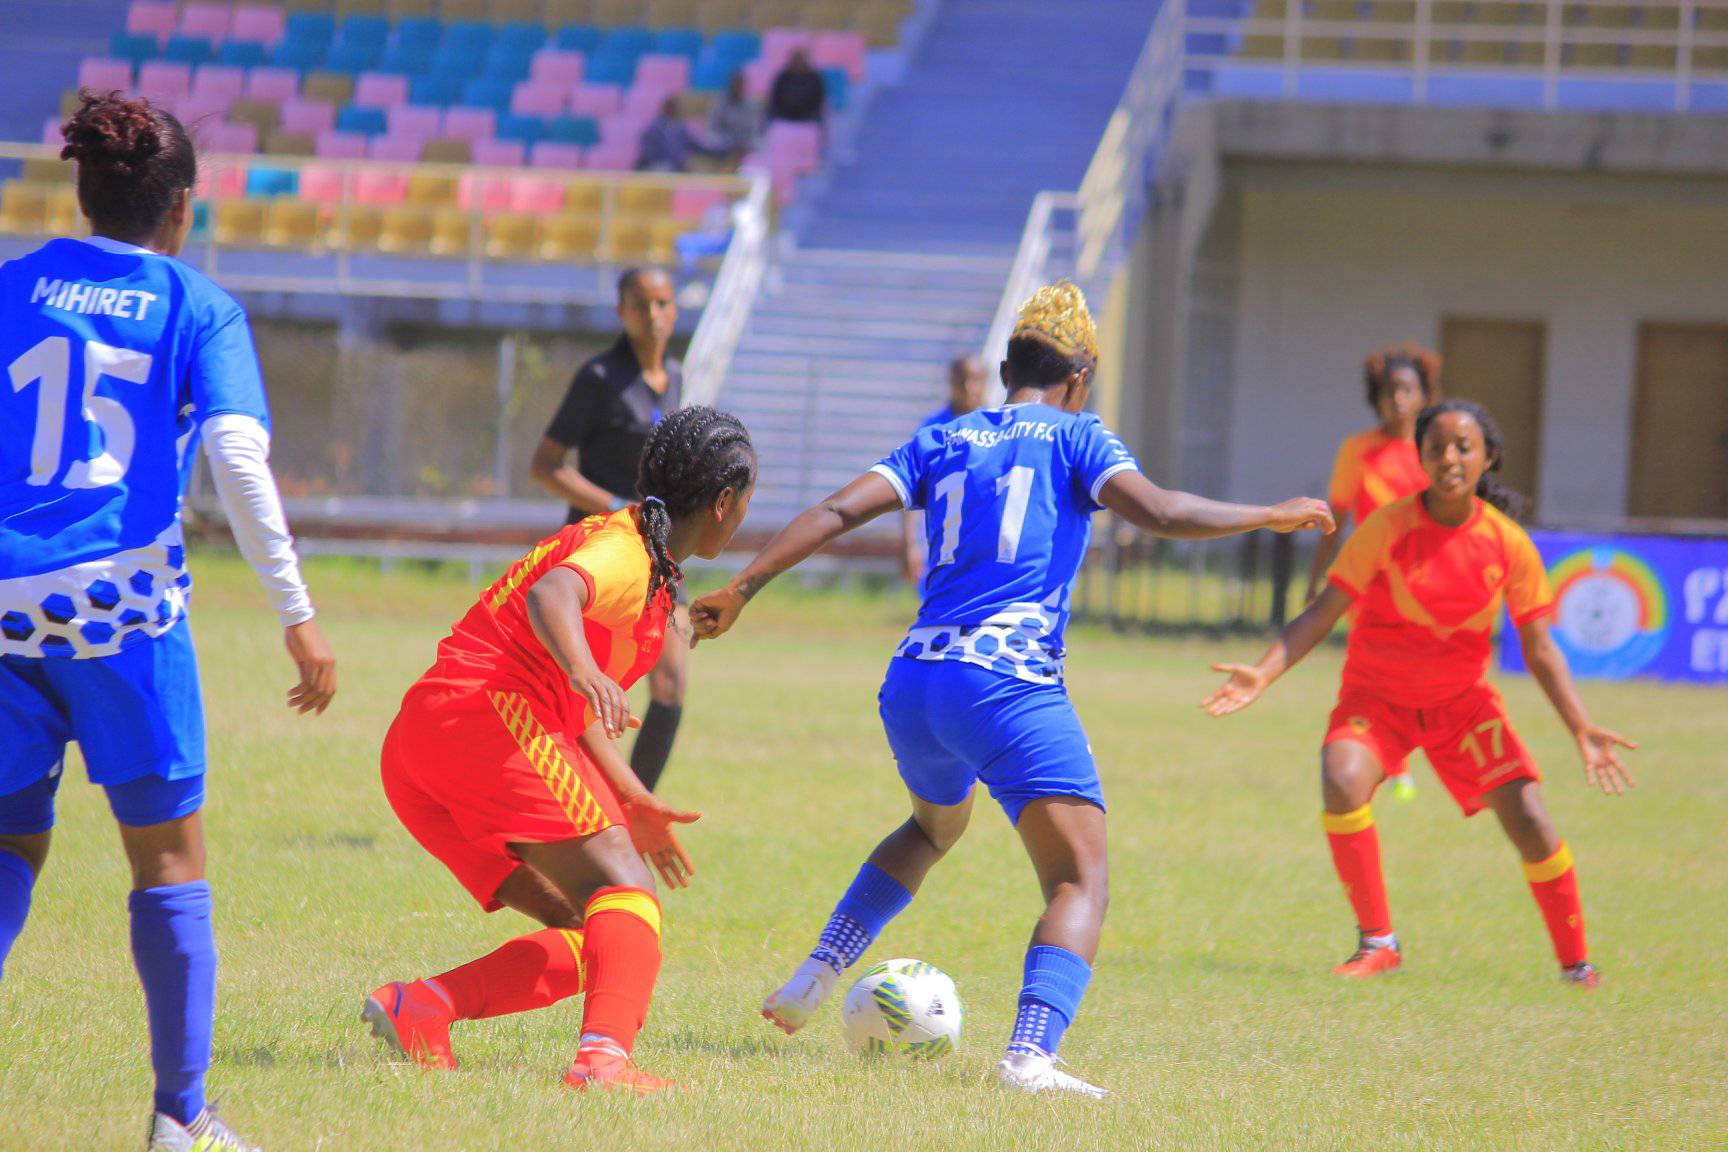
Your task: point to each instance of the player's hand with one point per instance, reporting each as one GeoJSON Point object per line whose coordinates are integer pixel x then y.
{"type": "Point", "coordinates": [317, 664]}
{"type": "Point", "coordinates": [650, 821]}
{"type": "Point", "coordinates": [1603, 767]}
{"type": "Point", "coordinates": [1302, 512]}
{"type": "Point", "coordinates": [1242, 689]}
{"type": "Point", "coordinates": [714, 614]}
{"type": "Point", "coordinates": [605, 698]}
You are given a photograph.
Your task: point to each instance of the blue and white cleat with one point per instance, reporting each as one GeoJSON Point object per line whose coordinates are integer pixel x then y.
{"type": "Point", "coordinates": [206, 1133]}
{"type": "Point", "coordinates": [1038, 1072]}
{"type": "Point", "coordinates": [791, 1007]}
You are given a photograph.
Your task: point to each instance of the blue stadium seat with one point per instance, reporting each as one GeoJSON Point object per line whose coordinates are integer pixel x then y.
{"type": "Point", "coordinates": [262, 180]}
{"type": "Point", "coordinates": [475, 35]}
{"type": "Point", "coordinates": [578, 38]}
{"type": "Point", "coordinates": [419, 31]}
{"type": "Point", "coordinates": [364, 121]}
{"type": "Point", "coordinates": [407, 59]}
{"type": "Point", "coordinates": [302, 54]}
{"type": "Point", "coordinates": [712, 75]}
{"type": "Point", "coordinates": [839, 88]}
{"type": "Point", "coordinates": [627, 39]}
{"type": "Point", "coordinates": [434, 90]}
{"type": "Point", "coordinates": [522, 37]}
{"type": "Point", "coordinates": [737, 46]}
{"type": "Point", "coordinates": [510, 68]}
{"type": "Point", "coordinates": [125, 46]}
{"type": "Point", "coordinates": [678, 42]}
{"type": "Point", "coordinates": [353, 56]}
{"type": "Point", "coordinates": [189, 50]}
{"type": "Point", "coordinates": [314, 26]}
{"type": "Point", "coordinates": [365, 29]}
{"type": "Point", "coordinates": [240, 54]}
{"type": "Point", "coordinates": [608, 68]}
{"type": "Point", "coordinates": [583, 130]}
{"type": "Point", "coordinates": [493, 94]}
{"type": "Point", "coordinates": [527, 129]}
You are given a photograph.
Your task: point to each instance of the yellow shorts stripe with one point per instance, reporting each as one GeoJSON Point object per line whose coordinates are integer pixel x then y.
{"type": "Point", "coordinates": [564, 782]}
{"type": "Point", "coordinates": [1552, 868]}
{"type": "Point", "coordinates": [639, 904]}
{"type": "Point", "coordinates": [1344, 823]}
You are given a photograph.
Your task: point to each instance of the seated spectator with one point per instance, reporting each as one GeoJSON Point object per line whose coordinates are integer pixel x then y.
{"type": "Point", "coordinates": [734, 121]}
{"type": "Point", "coordinates": [799, 92]}
{"type": "Point", "coordinates": [668, 143]}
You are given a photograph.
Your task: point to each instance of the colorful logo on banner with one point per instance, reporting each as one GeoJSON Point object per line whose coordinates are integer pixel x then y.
{"type": "Point", "coordinates": [1612, 614]}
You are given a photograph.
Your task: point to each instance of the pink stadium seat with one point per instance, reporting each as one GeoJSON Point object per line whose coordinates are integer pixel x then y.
{"type": "Point", "coordinates": [223, 136]}
{"type": "Point", "coordinates": [152, 18]}
{"type": "Point", "coordinates": [759, 78]}
{"type": "Point", "coordinates": [551, 154]}
{"type": "Point", "coordinates": [623, 127]}
{"type": "Point", "coordinates": [199, 113]}
{"type": "Point", "coordinates": [476, 192]}
{"type": "Point", "coordinates": [533, 98]}
{"type": "Point", "coordinates": [784, 180]}
{"type": "Point", "coordinates": [380, 90]}
{"type": "Point", "coordinates": [413, 121]}
{"type": "Point", "coordinates": [272, 85]}
{"type": "Point", "coordinates": [383, 188]}
{"type": "Point", "coordinates": [839, 50]}
{"type": "Point", "coordinates": [470, 124]}
{"type": "Point", "coordinates": [51, 132]}
{"type": "Point", "coordinates": [219, 81]}
{"type": "Point", "coordinates": [321, 184]}
{"type": "Point", "coordinates": [595, 100]}
{"type": "Point", "coordinates": [643, 101]}
{"type": "Point", "coordinates": [670, 73]}
{"type": "Point", "coordinates": [695, 203]}
{"type": "Point", "coordinates": [341, 146]}
{"type": "Point", "coordinates": [258, 24]}
{"type": "Point", "coordinates": [230, 181]}
{"type": "Point", "coordinates": [398, 149]}
{"type": "Point", "coordinates": [499, 153]}
{"type": "Point", "coordinates": [794, 146]}
{"type": "Point", "coordinates": [615, 155]}
{"type": "Point", "coordinates": [540, 195]}
{"type": "Point", "coordinates": [551, 66]}
{"type": "Point", "coordinates": [164, 80]}
{"type": "Point", "coordinates": [308, 117]}
{"type": "Point", "coordinates": [778, 44]}
{"type": "Point", "coordinates": [101, 75]}
{"type": "Point", "coordinates": [204, 20]}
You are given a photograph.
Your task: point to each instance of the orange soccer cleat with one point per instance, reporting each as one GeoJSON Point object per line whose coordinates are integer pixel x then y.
{"type": "Point", "coordinates": [607, 1067]}
{"type": "Point", "coordinates": [413, 1019]}
{"type": "Point", "coordinates": [1370, 960]}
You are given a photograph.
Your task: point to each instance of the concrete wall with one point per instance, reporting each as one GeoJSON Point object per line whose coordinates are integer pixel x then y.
{"type": "Point", "coordinates": [1337, 260]}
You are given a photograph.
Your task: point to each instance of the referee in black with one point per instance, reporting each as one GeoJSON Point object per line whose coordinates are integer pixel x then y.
{"type": "Point", "coordinates": [613, 403]}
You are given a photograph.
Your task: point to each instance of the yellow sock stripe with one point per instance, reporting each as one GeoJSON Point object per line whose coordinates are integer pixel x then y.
{"type": "Point", "coordinates": [1344, 823]}
{"type": "Point", "coordinates": [1552, 868]}
{"type": "Point", "coordinates": [639, 904]}
{"type": "Point", "coordinates": [575, 939]}
{"type": "Point", "coordinates": [566, 786]}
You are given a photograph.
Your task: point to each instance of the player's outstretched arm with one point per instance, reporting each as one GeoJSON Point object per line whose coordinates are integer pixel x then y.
{"type": "Point", "coordinates": [1185, 516]}
{"type": "Point", "coordinates": [1603, 767]}
{"type": "Point", "coordinates": [1247, 681]}
{"type": "Point", "coordinates": [857, 504]}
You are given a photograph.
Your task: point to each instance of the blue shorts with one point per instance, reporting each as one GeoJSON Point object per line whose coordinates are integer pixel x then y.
{"type": "Point", "coordinates": [138, 803]}
{"type": "Point", "coordinates": [951, 724]}
{"type": "Point", "coordinates": [137, 713]}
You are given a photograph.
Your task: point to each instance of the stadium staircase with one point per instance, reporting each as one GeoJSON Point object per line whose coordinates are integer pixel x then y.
{"type": "Point", "coordinates": [902, 257]}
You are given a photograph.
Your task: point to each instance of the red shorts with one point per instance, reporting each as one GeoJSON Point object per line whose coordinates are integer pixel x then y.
{"type": "Point", "coordinates": [1469, 740]}
{"type": "Point", "coordinates": [471, 772]}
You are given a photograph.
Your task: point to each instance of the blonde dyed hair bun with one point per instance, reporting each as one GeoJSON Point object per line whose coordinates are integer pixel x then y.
{"type": "Point", "coordinates": [1057, 315]}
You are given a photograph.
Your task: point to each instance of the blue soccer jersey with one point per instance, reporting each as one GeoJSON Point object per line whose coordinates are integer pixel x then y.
{"type": "Point", "coordinates": [1009, 494]}
{"type": "Point", "coordinates": [116, 358]}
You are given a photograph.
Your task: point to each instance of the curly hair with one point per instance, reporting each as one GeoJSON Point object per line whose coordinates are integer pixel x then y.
{"type": "Point", "coordinates": [133, 160]}
{"type": "Point", "coordinates": [690, 458]}
{"type": "Point", "coordinates": [1378, 368]}
{"type": "Point", "coordinates": [1502, 496]}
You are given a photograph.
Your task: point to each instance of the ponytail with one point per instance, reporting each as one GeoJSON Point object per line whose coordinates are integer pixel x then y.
{"type": "Point", "coordinates": [1490, 488]}
{"type": "Point", "coordinates": [691, 457]}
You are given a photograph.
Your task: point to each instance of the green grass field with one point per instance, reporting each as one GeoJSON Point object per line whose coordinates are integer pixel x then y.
{"type": "Point", "coordinates": [1211, 1015]}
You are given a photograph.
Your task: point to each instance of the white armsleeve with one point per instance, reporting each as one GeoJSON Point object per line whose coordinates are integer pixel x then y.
{"type": "Point", "coordinates": [239, 450]}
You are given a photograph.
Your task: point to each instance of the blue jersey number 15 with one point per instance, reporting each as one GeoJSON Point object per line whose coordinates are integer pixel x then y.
{"type": "Point", "coordinates": [49, 366]}
{"type": "Point", "coordinates": [951, 492]}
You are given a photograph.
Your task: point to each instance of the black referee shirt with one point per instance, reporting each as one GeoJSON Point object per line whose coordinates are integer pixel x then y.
{"type": "Point", "coordinates": [607, 415]}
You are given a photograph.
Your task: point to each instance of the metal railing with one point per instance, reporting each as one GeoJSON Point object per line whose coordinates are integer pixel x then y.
{"type": "Point", "coordinates": [734, 294]}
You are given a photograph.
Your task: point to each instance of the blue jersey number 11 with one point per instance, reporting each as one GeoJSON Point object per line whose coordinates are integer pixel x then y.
{"type": "Point", "coordinates": [951, 492]}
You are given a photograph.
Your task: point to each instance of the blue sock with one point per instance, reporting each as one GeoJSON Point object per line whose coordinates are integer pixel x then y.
{"type": "Point", "coordinates": [1049, 999]}
{"type": "Point", "coordinates": [175, 950]}
{"type": "Point", "coordinates": [17, 878]}
{"type": "Point", "coordinates": [873, 899]}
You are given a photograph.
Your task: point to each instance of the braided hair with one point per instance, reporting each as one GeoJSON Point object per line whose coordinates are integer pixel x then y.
{"type": "Point", "coordinates": [133, 160]}
{"type": "Point", "coordinates": [690, 458]}
{"type": "Point", "coordinates": [1509, 500]}
{"type": "Point", "coordinates": [1378, 368]}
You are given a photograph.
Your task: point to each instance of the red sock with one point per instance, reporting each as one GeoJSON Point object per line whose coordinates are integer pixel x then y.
{"type": "Point", "coordinates": [622, 957]}
{"type": "Point", "coordinates": [1355, 847]}
{"type": "Point", "coordinates": [533, 971]}
{"type": "Point", "coordinates": [1554, 883]}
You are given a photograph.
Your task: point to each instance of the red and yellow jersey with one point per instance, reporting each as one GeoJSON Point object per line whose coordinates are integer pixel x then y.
{"type": "Point", "coordinates": [494, 644]}
{"type": "Point", "coordinates": [1428, 597]}
{"type": "Point", "coordinates": [1373, 470]}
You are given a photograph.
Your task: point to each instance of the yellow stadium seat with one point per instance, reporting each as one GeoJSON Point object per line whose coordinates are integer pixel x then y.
{"type": "Point", "coordinates": [23, 208]}
{"type": "Point", "coordinates": [1269, 9]}
{"type": "Point", "coordinates": [714, 15]}
{"type": "Point", "coordinates": [1335, 10]}
{"type": "Point", "coordinates": [511, 236]}
{"type": "Point", "coordinates": [1262, 47]}
{"type": "Point", "coordinates": [613, 12]}
{"type": "Point", "coordinates": [60, 173]}
{"type": "Point", "coordinates": [1591, 55]}
{"type": "Point", "coordinates": [670, 13]}
{"type": "Point", "coordinates": [65, 218]}
{"type": "Point", "coordinates": [261, 114]}
{"type": "Point", "coordinates": [1484, 52]}
{"type": "Point", "coordinates": [1446, 13]}
{"type": "Point", "coordinates": [240, 222]}
{"type": "Point", "coordinates": [776, 13]}
{"type": "Point", "coordinates": [1379, 50]}
{"type": "Point", "coordinates": [518, 11]}
{"type": "Point", "coordinates": [569, 239]}
{"type": "Point", "coordinates": [1392, 11]}
{"type": "Point", "coordinates": [405, 230]}
{"type": "Point", "coordinates": [309, 5]}
{"type": "Point", "coordinates": [336, 87]}
{"type": "Point", "coordinates": [289, 144]}
{"type": "Point", "coordinates": [562, 12]}
{"type": "Point", "coordinates": [451, 11]}
{"type": "Point", "coordinates": [290, 223]}
{"type": "Point", "coordinates": [1657, 17]}
{"type": "Point", "coordinates": [365, 7]}
{"type": "Point", "coordinates": [584, 197]}
{"type": "Point", "coordinates": [452, 232]}
{"type": "Point", "coordinates": [1712, 19]}
{"type": "Point", "coordinates": [828, 14]}
{"type": "Point", "coordinates": [1610, 16]}
{"type": "Point", "coordinates": [401, 8]}
{"type": "Point", "coordinates": [881, 26]}
{"type": "Point", "coordinates": [1504, 12]}
{"type": "Point", "coordinates": [665, 233]}
{"type": "Point", "coordinates": [643, 200]}
{"type": "Point", "coordinates": [431, 189]}
{"type": "Point", "coordinates": [356, 227]}
{"type": "Point", "coordinates": [1322, 48]}
{"type": "Point", "coordinates": [630, 238]}
{"type": "Point", "coordinates": [1652, 58]}
{"type": "Point", "coordinates": [1710, 59]}
{"type": "Point", "coordinates": [70, 102]}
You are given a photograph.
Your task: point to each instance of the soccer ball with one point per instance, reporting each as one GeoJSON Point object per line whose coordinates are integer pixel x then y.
{"type": "Point", "coordinates": [902, 1007]}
